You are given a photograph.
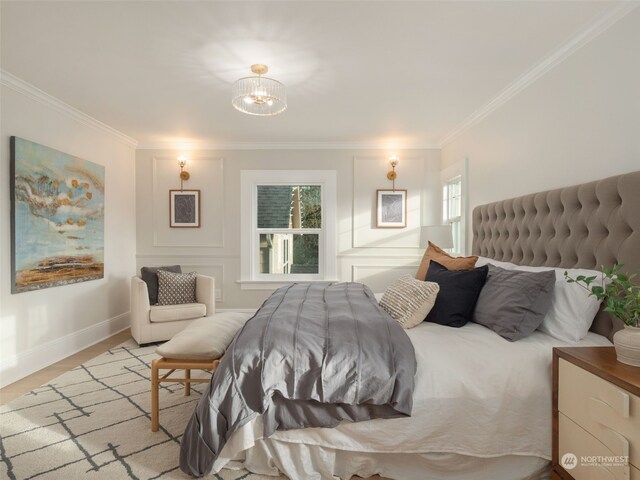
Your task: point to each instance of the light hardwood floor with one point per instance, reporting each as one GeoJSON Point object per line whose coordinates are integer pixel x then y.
{"type": "Point", "coordinates": [41, 377]}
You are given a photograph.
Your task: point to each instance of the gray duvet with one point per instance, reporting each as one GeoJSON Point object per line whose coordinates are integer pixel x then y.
{"type": "Point", "coordinates": [312, 356]}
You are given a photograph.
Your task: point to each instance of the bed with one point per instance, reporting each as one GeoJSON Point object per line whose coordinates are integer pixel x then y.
{"type": "Point", "coordinates": [481, 405]}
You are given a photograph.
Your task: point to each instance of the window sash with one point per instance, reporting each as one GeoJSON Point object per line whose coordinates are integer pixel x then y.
{"type": "Point", "coordinates": [289, 261]}
{"type": "Point", "coordinates": [453, 198]}
{"type": "Point", "coordinates": [257, 275]}
{"type": "Point", "coordinates": [288, 184]}
{"type": "Point", "coordinates": [452, 210]}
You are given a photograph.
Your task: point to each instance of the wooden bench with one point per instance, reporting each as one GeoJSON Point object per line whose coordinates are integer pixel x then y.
{"type": "Point", "coordinates": [172, 365]}
{"type": "Point", "coordinates": [200, 346]}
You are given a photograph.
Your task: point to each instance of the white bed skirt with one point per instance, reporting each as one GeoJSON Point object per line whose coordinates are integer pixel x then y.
{"type": "Point", "coordinates": [313, 462]}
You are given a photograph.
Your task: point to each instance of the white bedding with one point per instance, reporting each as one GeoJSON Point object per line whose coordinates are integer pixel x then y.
{"type": "Point", "coordinates": [476, 395]}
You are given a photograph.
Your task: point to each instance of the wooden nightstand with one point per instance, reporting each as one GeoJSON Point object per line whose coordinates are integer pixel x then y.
{"type": "Point", "coordinates": [596, 413]}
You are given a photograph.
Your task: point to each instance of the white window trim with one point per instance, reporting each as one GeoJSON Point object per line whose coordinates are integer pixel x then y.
{"type": "Point", "coordinates": [461, 169]}
{"type": "Point", "coordinates": [249, 180]}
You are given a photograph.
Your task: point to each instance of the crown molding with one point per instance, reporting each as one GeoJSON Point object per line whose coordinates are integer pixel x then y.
{"type": "Point", "coordinates": [593, 30]}
{"type": "Point", "coordinates": [11, 81]}
{"type": "Point", "coordinates": [280, 146]}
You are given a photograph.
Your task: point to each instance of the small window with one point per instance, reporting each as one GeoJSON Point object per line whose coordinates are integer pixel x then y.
{"type": "Point", "coordinates": [452, 210]}
{"type": "Point", "coordinates": [290, 225]}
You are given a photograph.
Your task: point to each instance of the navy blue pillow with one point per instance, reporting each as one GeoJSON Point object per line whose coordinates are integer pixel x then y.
{"type": "Point", "coordinates": [459, 292]}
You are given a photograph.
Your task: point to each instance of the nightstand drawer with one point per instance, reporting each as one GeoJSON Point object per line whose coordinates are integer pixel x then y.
{"type": "Point", "coordinates": [577, 441]}
{"type": "Point", "coordinates": [607, 412]}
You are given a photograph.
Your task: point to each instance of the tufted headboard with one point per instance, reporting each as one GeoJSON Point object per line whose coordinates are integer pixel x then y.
{"type": "Point", "coordinates": [584, 226]}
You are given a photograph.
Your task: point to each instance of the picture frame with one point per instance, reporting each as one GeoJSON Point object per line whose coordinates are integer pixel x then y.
{"type": "Point", "coordinates": [57, 217]}
{"type": "Point", "coordinates": [184, 208]}
{"type": "Point", "coordinates": [391, 209]}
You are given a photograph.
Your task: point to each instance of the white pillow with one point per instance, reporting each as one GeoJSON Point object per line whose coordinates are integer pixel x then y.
{"type": "Point", "coordinates": [572, 307]}
{"type": "Point", "coordinates": [409, 300]}
{"type": "Point", "coordinates": [482, 261]}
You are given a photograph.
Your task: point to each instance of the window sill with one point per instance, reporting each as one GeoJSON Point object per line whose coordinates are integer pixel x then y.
{"type": "Point", "coordinates": [274, 284]}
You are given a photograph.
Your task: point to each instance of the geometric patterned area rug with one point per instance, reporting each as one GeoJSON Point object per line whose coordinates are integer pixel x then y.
{"type": "Point", "coordinates": [94, 423]}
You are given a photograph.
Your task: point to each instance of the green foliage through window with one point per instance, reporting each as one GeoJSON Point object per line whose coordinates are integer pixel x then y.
{"type": "Point", "coordinates": [311, 206]}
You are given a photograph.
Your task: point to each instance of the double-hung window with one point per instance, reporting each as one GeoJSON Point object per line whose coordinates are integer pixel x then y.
{"type": "Point", "coordinates": [288, 226]}
{"type": "Point", "coordinates": [452, 210]}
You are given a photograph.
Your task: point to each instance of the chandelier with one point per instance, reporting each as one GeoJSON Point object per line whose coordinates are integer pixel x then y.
{"type": "Point", "coordinates": [259, 95]}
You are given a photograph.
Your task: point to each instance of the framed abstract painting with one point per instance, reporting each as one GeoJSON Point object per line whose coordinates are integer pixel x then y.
{"type": "Point", "coordinates": [184, 208]}
{"type": "Point", "coordinates": [57, 218]}
{"type": "Point", "coordinates": [391, 209]}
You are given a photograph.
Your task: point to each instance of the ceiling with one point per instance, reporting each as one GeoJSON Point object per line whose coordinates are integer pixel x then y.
{"type": "Point", "coordinates": [388, 73]}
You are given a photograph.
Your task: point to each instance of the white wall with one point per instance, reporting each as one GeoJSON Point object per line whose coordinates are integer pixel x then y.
{"type": "Point", "coordinates": [44, 326]}
{"type": "Point", "coordinates": [577, 123]}
{"type": "Point", "coordinates": [372, 256]}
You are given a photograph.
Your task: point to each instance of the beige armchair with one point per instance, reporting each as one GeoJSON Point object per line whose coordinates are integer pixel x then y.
{"type": "Point", "coordinates": [156, 323]}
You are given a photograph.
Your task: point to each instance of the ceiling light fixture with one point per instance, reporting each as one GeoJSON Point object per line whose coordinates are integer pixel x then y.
{"type": "Point", "coordinates": [259, 95]}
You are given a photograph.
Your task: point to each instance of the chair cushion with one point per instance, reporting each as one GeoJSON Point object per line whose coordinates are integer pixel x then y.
{"type": "Point", "coordinates": [172, 313]}
{"type": "Point", "coordinates": [206, 338]}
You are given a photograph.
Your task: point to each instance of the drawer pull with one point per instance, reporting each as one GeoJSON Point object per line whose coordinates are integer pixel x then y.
{"type": "Point", "coordinates": [599, 411]}
{"type": "Point", "coordinates": [616, 400]}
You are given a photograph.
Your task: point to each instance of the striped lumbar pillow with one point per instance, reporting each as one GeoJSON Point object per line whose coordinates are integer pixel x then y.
{"type": "Point", "coordinates": [409, 300]}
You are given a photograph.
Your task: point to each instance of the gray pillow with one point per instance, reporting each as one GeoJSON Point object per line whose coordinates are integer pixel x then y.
{"type": "Point", "coordinates": [150, 276]}
{"type": "Point", "coordinates": [513, 303]}
{"type": "Point", "coordinates": [176, 288]}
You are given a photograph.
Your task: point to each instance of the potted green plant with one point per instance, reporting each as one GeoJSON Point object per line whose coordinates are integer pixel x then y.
{"type": "Point", "coordinates": [622, 300]}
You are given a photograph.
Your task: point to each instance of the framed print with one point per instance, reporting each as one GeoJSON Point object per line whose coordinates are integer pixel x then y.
{"type": "Point", "coordinates": [184, 208]}
{"type": "Point", "coordinates": [391, 209]}
{"type": "Point", "coordinates": [57, 217]}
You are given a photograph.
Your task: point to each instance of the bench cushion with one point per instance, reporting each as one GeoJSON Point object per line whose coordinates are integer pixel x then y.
{"type": "Point", "coordinates": [173, 313]}
{"type": "Point", "coordinates": [205, 338]}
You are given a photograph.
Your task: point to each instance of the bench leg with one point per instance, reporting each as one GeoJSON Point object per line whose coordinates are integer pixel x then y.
{"type": "Point", "coordinates": [187, 384]}
{"type": "Point", "coordinates": [155, 414]}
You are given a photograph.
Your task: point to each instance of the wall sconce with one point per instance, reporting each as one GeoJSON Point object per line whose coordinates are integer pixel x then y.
{"type": "Point", "coordinates": [391, 174]}
{"type": "Point", "coordinates": [184, 175]}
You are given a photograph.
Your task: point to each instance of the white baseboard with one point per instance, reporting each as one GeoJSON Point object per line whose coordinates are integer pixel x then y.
{"type": "Point", "coordinates": [25, 363]}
